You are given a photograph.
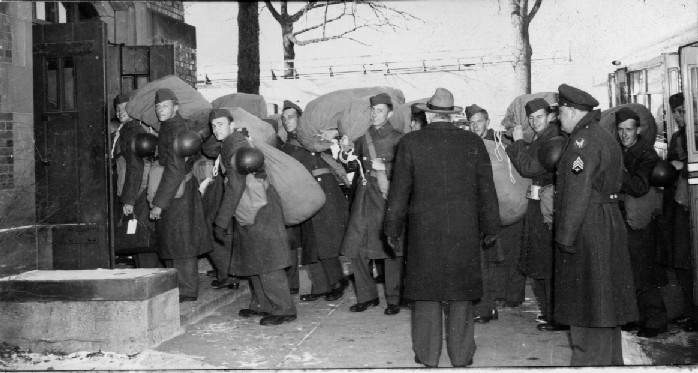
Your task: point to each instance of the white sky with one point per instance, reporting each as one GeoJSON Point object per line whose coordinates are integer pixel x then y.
{"type": "Point", "coordinates": [593, 32]}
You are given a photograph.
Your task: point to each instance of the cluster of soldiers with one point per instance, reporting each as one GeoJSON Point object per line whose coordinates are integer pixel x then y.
{"type": "Point", "coordinates": [425, 205]}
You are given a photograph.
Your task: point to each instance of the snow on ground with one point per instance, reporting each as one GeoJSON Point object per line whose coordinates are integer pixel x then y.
{"type": "Point", "coordinates": [15, 359]}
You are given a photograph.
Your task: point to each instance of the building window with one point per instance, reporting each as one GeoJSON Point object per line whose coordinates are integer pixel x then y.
{"type": "Point", "coordinates": [63, 12]}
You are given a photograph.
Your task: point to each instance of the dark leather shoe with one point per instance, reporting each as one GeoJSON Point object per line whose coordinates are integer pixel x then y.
{"type": "Point", "coordinates": [484, 319]}
{"type": "Point", "coordinates": [392, 309]}
{"type": "Point", "coordinates": [647, 332]}
{"type": "Point", "coordinates": [541, 319]}
{"type": "Point", "coordinates": [294, 290]}
{"type": "Point", "coordinates": [361, 307]}
{"type": "Point", "coordinates": [334, 294]}
{"type": "Point", "coordinates": [311, 297]}
{"type": "Point", "coordinates": [227, 283]}
{"type": "Point", "coordinates": [246, 312]}
{"type": "Point", "coordinates": [276, 319]}
{"type": "Point", "coordinates": [553, 327]}
{"type": "Point", "coordinates": [183, 299]}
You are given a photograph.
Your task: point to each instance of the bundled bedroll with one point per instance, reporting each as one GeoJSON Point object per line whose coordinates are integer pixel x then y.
{"type": "Point", "coordinates": [192, 105]}
{"type": "Point", "coordinates": [510, 185]}
{"type": "Point", "coordinates": [301, 195]}
{"type": "Point", "coordinates": [253, 104]}
{"type": "Point", "coordinates": [347, 110]}
{"type": "Point", "coordinates": [648, 126]}
{"type": "Point", "coordinates": [516, 112]}
{"type": "Point", "coordinates": [257, 129]}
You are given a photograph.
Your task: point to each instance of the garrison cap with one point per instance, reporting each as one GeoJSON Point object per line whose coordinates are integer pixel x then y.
{"type": "Point", "coordinates": [220, 113]}
{"type": "Point", "coordinates": [291, 105]}
{"type": "Point", "coordinates": [164, 94]}
{"type": "Point", "coordinates": [576, 98]}
{"type": "Point", "coordinates": [381, 98]}
{"type": "Point", "coordinates": [535, 105]}
{"type": "Point", "coordinates": [624, 114]}
{"type": "Point", "coordinates": [273, 123]}
{"type": "Point", "coordinates": [676, 100]}
{"type": "Point", "coordinates": [472, 110]}
{"type": "Point", "coordinates": [121, 98]}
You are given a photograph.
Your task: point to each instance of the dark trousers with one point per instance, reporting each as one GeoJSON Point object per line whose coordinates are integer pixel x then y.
{"type": "Point", "coordinates": [187, 275]}
{"type": "Point", "coordinates": [270, 293]}
{"type": "Point", "coordinates": [220, 256]}
{"type": "Point", "coordinates": [652, 309]}
{"type": "Point", "coordinates": [324, 274]}
{"type": "Point", "coordinates": [427, 325]}
{"type": "Point", "coordinates": [596, 346]}
{"type": "Point", "coordinates": [685, 278]}
{"type": "Point", "coordinates": [543, 290]}
{"type": "Point", "coordinates": [292, 273]}
{"type": "Point", "coordinates": [147, 260]}
{"type": "Point", "coordinates": [366, 286]}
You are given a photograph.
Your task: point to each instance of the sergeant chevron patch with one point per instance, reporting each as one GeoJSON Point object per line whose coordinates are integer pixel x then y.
{"type": "Point", "coordinates": [577, 165]}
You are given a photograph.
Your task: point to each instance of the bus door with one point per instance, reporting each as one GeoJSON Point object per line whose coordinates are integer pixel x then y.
{"type": "Point", "coordinates": [689, 72]}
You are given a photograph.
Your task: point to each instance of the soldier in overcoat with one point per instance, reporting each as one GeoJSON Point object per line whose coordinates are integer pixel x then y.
{"type": "Point", "coordinates": [594, 289]}
{"type": "Point", "coordinates": [538, 246]}
{"type": "Point", "coordinates": [444, 192]}
{"type": "Point", "coordinates": [639, 159]}
{"type": "Point", "coordinates": [321, 235]}
{"type": "Point", "coordinates": [261, 250]}
{"type": "Point", "coordinates": [180, 225]}
{"type": "Point", "coordinates": [133, 200]}
{"type": "Point", "coordinates": [364, 239]}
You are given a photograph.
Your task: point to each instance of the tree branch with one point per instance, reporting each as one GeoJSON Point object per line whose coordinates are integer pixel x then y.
{"type": "Point", "coordinates": [533, 11]}
{"type": "Point", "coordinates": [318, 25]}
{"type": "Point", "coordinates": [273, 11]}
{"type": "Point", "coordinates": [310, 6]}
{"type": "Point", "coordinates": [301, 43]}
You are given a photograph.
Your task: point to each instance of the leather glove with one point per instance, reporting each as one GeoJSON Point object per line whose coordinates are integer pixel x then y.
{"type": "Point", "coordinates": [565, 248]}
{"type": "Point", "coordinates": [489, 239]}
{"type": "Point", "coordinates": [394, 243]}
{"type": "Point", "coordinates": [219, 233]}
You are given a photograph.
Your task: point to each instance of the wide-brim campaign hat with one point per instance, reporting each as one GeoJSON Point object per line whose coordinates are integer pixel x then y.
{"type": "Point", "coordinates": [441, 103]}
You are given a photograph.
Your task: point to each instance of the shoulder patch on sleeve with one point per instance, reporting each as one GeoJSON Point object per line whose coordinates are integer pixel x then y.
{"type": "Point", "coordinates": [580, 143]}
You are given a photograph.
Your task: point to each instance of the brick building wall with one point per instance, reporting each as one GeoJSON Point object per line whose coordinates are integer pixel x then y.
{"type": "Point", "coordinates": [174, 9]}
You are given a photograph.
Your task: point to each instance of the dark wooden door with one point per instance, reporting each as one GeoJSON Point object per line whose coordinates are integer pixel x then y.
{"type": "Point", "coordinates": [71, 132]}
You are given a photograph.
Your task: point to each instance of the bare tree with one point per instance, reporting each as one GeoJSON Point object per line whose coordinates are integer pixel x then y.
{"type": "Point", "coordinates": [341, 10]}
{"type": "Point", "coordinates": [521, 18]}
{"type": "Point", "coordinates": [248, 47]}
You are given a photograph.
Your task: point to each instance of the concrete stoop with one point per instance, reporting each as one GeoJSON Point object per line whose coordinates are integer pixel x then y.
{"type": "Point", "coordinates": [121, 310]}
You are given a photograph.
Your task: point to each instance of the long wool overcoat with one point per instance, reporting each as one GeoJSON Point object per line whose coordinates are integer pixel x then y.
{"type": "Point", "coordinates": [442, 187]}
{"type": "Point", "coordinates": [182, 231]}
{"type": "Point", "coordinates": [321, 235]}
{"type": "Point", "coordinates": [262, 247]}
{"type": "Point", "coordinates": [537, 249]}
{"type": "Point", "coordinates": [364, 232]}
{"type": "Point", "coordinates": [594, 286]}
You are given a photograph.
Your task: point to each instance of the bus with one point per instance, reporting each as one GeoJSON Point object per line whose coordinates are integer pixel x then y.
{"type": "Point", "coordinates": [648, 77]}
